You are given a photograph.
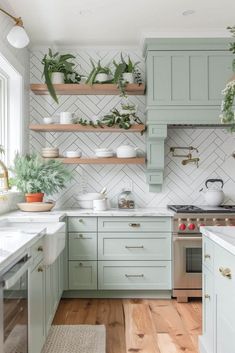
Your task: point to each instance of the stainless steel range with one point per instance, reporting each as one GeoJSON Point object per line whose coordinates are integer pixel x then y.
{"type": "Point", "coordinates": [187, 241]}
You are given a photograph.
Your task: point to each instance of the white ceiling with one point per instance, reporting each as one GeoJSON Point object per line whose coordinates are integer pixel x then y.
{"type": "Point", "coordinates": [120, 22]}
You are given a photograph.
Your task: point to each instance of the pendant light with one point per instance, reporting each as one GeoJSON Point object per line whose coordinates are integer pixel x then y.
{"type": "Point", "coordinates": [17, 36]}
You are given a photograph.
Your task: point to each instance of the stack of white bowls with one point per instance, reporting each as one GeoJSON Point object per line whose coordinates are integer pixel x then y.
{"type": "Point", "coordinates": [50, 152]}
{"type": "Point", "coordinates": [103, 152]}
{"type": "Point", "coordinates": [73, 154]}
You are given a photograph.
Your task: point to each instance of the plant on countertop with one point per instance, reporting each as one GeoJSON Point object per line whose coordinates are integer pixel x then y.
{"type": "Point", "coordinates": [59, 63]}
{"type": "Point", "coordinates": [99, 74]}
{"type": "Point", "coordinates": [123, 68]}
{"type": "Point", "coordinates": [33, 175]}
{"type": "Point", "coordinates": [228, 115]}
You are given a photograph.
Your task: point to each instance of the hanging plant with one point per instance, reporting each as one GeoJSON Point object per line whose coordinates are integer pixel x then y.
{"type": "Point", "coordinates": [228, 116]}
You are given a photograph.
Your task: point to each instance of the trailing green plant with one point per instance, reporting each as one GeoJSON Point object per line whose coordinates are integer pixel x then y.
{"type": "Point", "coordinates": [125, 67]}
{"type": "Point", "coordinates": [32, 174]}
{"type": "Point", "coordinates": [2, 150]}
{"type": "Point", "coordinates": [59, 63]}
{"type": "Point", "coordinates": [227, 113]}
{"type": "Point", "coordinates": [97, 69]}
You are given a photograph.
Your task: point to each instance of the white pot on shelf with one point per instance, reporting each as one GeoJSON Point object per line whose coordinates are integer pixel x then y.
{"type": "Point", "coordinates": [57, 78]}
{"type": "Point", "coordinates": [126, 151]}
{"type": "Point", "coordinates": [128, 77]}
{"type": "Point", "coordinates": [101, 77]}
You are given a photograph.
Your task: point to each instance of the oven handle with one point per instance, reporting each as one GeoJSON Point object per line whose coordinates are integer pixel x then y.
{"type": "Point", "coordinates": [188, 238]}
{"type": "Point", "coordinates": [11, 277]}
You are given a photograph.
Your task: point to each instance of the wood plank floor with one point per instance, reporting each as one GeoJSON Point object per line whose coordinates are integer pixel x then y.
{"type": "Point", "coordinates": [138, 326]}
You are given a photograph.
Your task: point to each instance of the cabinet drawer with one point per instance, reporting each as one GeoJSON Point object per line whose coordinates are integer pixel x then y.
{"type": "Point", "coordinates": [134, 224]}
{"type": "Point", "coordinates": [37, 251]}
{"type": "Point", "coordinates": [208, 253]}
{"type": "Point", "coordinates": [224, 263]}
{"type": "Point", "coordinates": [134, 275]}
{"type": "Point", "coordinates": [82, 275]}
{"type": "Point", "coordinates": [82, 224]}
{"type": "Point", "coordinates": [82, 246]}
{"type": "Point", "coordinates": [122, 246]}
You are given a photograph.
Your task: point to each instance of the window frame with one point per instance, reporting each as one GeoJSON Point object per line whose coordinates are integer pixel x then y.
{"type": "Point", "coordinates": [4, 97]}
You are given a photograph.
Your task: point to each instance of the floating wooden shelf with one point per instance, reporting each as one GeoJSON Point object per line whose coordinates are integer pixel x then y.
{"type": "Point", "coordinates": [84, 89]}
{"type": "Point", "coordinates": [111, 160]}
{"type": "Point", "coordinates": [81, 128]}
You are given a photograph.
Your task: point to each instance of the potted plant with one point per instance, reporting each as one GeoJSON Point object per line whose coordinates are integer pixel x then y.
{"type": "Point", "coordinates": [99, 74]}
{"type": "Point", "coordinates": [36, 177]}
{"type": "Point", "coordinates": [227, 113]}
{"type": "Point", "coordinates": [126, 72]}
{"type": "Point", "coordinates": [58, 70]}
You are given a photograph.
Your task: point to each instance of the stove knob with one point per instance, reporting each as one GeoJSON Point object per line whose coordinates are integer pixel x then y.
{"type": "Point", "coordinates": [182, 226]}
{"type": "Point", "coordinates": [191, 226]}
{"type": "Point", "coordinates": [202, 225]}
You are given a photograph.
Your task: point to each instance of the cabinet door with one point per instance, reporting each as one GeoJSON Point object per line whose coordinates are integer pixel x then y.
{"type": "Point", "coordinates": [187, 77]}
{"type": "Point", "coordinates": [208, 310]}
{"type": "Point", "coordinates": [82, 246]}
{"type": "Point", "coordinates": [52, 292]}
{"type": "Point", "coordinates": [36, 309]}
{"type": "Point", "coordinates": [82, 275]}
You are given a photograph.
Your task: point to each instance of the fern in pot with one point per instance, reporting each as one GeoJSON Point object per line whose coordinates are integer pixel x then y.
{"type": "Point", "coordinates": [36, 177]}
{"type": "Point", "coordinates": [58, 70]}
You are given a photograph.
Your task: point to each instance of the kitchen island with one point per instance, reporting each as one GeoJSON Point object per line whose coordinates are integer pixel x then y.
{"type": "Point", "coordinates": [218, 290]}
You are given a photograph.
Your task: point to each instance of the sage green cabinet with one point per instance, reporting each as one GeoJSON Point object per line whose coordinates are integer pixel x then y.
{"type": "Point", "coordinates": [187, 77]}
{"type": "Point", "coordinates": [83, 246]}
{"type": "Point", "coordinates": [82, 275]}
{"type": "Point", "coordinates": [37, 332]}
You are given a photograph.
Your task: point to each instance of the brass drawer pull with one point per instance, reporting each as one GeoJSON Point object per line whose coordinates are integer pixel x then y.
{"type": "Point", "coordinates": [134, 247]}
{"type": "Point", "coordinates": [40, 269]}
{"type": "Point", "coordinates": [40, 248]}
{"type": "Point", "coordinates": [79, 236]}
{"type": "Point", "coordinates": [226, 272]}
{"type": "Point", "coordinates": [134, 225]}
{"type": "Point", "coordinates": [128, 276]}
{"type": "Point", "coordinates": [207, 256]}
{"type": "Point", "coordinates": [207, 296]}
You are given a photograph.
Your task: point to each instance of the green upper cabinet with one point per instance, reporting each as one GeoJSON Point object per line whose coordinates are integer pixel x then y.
{"type": "Point", "coordinates": [185, 78]}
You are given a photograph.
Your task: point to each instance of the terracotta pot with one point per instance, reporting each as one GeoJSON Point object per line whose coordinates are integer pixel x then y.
{"type": "Point", "coordinates": [36, 197]}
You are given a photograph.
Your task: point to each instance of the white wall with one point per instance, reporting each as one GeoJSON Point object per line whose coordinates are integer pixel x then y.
{"type": "Point", "coordinates": [181, 183]}
{"type": "Point", "coordinates": [19, 59]}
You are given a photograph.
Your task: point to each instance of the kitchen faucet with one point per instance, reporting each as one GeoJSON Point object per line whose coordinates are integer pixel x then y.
{"type": "Point", "coordinates": [4, 176]}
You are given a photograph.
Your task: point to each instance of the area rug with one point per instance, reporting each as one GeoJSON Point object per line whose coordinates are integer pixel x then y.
{"type": "Point", "coordinates": [75, 339]}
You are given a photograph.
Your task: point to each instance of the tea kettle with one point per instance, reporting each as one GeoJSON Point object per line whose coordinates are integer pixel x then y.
{"type": "Point", "coordinates": [214, 196]}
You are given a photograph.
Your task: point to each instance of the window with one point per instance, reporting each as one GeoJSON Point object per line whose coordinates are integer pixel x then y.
{"type": "Point", "coordinates": [3, 116]}
{"type": "Point", "coordinates": [11, 92]}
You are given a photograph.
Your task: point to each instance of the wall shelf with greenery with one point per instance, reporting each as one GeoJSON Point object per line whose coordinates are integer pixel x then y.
{"type": "Point", "coordinates": [80, 128]}
{"type": "Point", "coordinates": [111, 160]}
{"type": "Point", "coordinates": [85, 89]}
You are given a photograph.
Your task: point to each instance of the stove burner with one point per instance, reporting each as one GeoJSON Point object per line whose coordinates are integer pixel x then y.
{"type": "Point", "coordinates": [228, 207]}
{"type": "Point", "coordinates": [184, 208]}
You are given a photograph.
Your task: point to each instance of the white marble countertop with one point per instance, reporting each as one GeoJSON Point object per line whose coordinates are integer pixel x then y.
{"type": "Point", "coordinates": [58, 214]}
{"type": "Point", "coordinates": [15, 243]}
{"type": "Point", "coordinates": [223, 236]}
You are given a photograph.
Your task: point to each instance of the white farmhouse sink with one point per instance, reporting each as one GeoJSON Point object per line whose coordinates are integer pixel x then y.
{"type": "Point", "coordinates": [54, 240]}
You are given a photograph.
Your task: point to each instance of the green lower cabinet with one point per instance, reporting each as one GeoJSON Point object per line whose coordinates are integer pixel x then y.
{"type": "Point", "coordinates": [82, 246]}
{"type": "Point", "coordinates": [208, 310]}
{"type": "Point", "coordinates": [37, 332]}
{"type": "Point", "coordinates": [137, 275]}
{"type": "Point", "coordinates": [82, 275]}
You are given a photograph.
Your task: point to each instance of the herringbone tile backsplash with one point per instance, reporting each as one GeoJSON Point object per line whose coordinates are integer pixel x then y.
{"type": "Point", "coordinates": [181, 183]}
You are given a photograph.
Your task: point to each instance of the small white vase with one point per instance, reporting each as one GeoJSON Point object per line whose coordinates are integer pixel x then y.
{"type": "Point", "coordinates": [128, 77]}
{"type": "Point", "coordinates": [57, 78]}
{"type": "Point", "coordinates": [101, 77]}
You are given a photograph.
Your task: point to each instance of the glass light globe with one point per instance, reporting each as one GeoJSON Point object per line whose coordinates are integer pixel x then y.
{"type": "Point", "coordinates": [18, 37]}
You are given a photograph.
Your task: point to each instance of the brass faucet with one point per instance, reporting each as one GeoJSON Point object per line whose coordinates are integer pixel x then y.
{"type": "Point", "coordinates": [4, 176]}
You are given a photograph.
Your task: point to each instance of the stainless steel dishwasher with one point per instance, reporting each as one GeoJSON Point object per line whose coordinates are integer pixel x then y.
{"type": "Point", "coordinates": [14, 307]}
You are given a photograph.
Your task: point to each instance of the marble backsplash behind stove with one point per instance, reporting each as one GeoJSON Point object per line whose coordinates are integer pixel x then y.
{"type": "Point", "coordinates": [181, 183]}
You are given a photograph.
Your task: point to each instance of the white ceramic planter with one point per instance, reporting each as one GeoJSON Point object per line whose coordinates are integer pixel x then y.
{"type": "Point", "coordinates": [57, 78]}
{"type": "Point", "coordinates": [101, 77]}
{"type": "Point", "coordinates": [128, 77]}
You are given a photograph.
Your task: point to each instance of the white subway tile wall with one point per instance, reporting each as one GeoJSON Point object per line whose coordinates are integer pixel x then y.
{"type": "Point", "coordinates": [181, 183]}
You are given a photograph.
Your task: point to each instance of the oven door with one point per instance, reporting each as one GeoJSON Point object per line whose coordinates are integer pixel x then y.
{"type": "Point", "coordinates": [188, 262]}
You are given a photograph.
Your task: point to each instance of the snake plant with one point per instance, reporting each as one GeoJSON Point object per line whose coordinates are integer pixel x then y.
{"type": "Point", "coordinates": [97, 69]}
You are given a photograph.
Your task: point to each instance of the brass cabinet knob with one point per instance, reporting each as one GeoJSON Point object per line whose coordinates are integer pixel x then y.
{"type": "Point", "coordinates": [80, 220]}
{"type": "Point", "coordinates": [40, 248]}
{"type": "Point", "coordinates": [225, 272]}
{"type": "Point", "coordinates": [207, 256]}
{"type": "Point", "coordinates": [134, 225]}
{"type": "Point", "coordinates": [207, 296]}
{"type": "Point", "coordinates": [40, 269]}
